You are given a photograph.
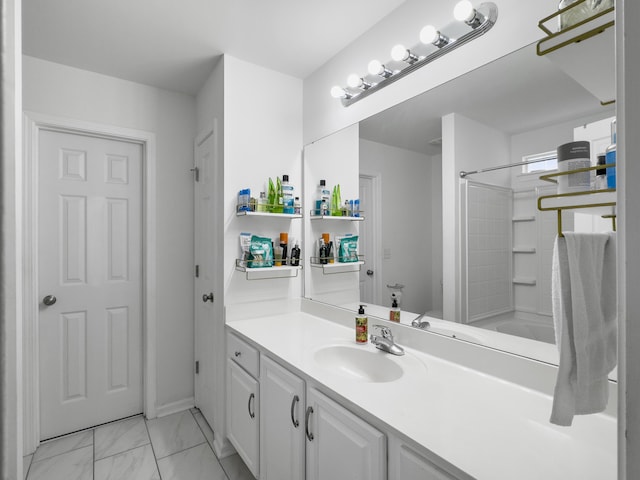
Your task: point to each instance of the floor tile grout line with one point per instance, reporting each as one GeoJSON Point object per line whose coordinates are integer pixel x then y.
{"type": "Point", "coordinates": [185, 449]}
{"type": "Point", "coordinates": [207, 440]}
{"type": "Point", "coordinates": [124, 451]}
{"type": "Point", "coordinates": [57, 454]}
{"type": "Point", "coordinates": [153, 451]}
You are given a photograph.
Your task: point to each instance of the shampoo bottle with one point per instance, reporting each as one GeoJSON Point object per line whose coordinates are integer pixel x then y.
{"type": "Point", "coordinates": [394, 313]}
{"type": "Point", "coordinates": [362, 330]}
{"type": "Point", "coordinates": [295, 256]}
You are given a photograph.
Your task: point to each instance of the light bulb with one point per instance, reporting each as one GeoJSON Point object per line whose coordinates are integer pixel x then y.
{"type": "Point", "coordinates": [464, 11]}
{"type": "Point", "coordinates": [338, 92]}
{"type": "Point", "coordinates": [429, 34]}
{"type": "Point", "coordinates": [354, 81]}
{"type": "Point", "coordinates": [375, 67]}
{"type": "Point", "coordinates": [399, 53]}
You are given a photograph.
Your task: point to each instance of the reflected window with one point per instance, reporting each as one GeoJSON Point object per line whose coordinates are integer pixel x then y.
{"type": "Point", "coordinates": [543, 162]}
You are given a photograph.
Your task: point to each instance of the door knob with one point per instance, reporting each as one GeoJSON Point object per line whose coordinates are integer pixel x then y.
{"type": "Point", "coordinates": [370, 273]}
{"type": "Point", "coordinates": [49, 300]}
{"type": "Point", "coordinates": [207, 298]}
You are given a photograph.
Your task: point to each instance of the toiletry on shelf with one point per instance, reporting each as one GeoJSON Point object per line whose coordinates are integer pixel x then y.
{"type": "Point", "coordinates": [271, 196]}
{"type": "Point", "coordinates": [297, 206]}
{"type": "Point", "coordinates": [326, 238]}
{"type": "Point", "coordinates": [336, 202]}
{"type": "Point", "coordinates": [347, 248]}
{"type": "Point", "coordinates": [601, 173]}
{"type": "Point", "coordinates": [243, 200]}
{"type": "Point", "coordinates": [323, 195]}
{"type": "Point", "coordinates": [611, 158]}
{"type": "Point", "coordinates": [287, 195]}
{"type": "Point", "coordinates": [394, 313]}
{"type": "Point", "coordinates": [284, 240]}
{"type": "Point", "coordinates": [279, 206]}
{"type": "Point", "coordinates": [324, 208]}
{"type": "Point", "coordinates": [323, 252]}
{"type": "Point", "coordinates": [262, 202]}
{"type": "Point", "coordinates": [574, 156]}
{"type": "Point", "coordinates": [260, 252]}
{"type": "Point", "coordinates": [295, 255]}
{"type": "Point", "coordinates": [362, 330]}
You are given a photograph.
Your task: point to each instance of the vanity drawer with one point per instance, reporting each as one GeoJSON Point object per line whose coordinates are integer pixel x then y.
{"type": "Point", "coordinates": [243, 354]}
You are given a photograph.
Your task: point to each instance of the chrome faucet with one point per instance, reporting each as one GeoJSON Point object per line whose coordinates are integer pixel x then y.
{"type": "Point", "coordinates": [416, 322]}
{"type": "Point", "coordinates": [385, 342]}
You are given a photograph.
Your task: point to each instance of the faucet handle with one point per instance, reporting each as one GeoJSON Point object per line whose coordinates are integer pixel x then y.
{"type": "Point", "coordinates": [385, 331]}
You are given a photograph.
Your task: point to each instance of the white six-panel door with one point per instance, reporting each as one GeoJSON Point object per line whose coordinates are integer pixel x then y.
{"type": "Point", "coordinates": [90, 260]}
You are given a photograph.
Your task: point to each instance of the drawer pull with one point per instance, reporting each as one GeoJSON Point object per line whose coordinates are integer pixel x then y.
{"type": "Point", "coordinates": [306, 423]}
{"type": "Point", "coordinates": [251, 397]}
{"type": "Point", "coordinates": [294, 420]}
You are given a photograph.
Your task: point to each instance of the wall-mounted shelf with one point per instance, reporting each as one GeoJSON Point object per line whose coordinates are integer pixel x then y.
{"type": "Point", "coordinates": [595, 202]}
{"type": "Point", "coordinates": [337, 267]}
{"type": "Point", "coordinates": [244, 213]}
{"type": "Point", "coordinates": [262, 273]}
{"type": "Point", "coordinates": [578, 48]}
{"type": "Point", "coordinates": [314, 216]}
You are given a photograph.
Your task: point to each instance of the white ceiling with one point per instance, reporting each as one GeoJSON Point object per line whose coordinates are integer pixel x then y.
{"type": "Point", "coordinates": [173, 44]}
{"type": "Point", "coordinates": [514, 94]}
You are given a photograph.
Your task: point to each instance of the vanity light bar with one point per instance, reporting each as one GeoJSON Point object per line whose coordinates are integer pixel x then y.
{"type": "Point", "coordinates": [480, 20]}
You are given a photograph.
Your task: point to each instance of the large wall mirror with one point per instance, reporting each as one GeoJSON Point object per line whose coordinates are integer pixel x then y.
{"type": "Point", "coordinates": [472, 254]}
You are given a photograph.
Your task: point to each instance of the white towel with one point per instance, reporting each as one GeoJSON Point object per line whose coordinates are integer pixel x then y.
{"type": "Point", "coordinates": [585, 319]}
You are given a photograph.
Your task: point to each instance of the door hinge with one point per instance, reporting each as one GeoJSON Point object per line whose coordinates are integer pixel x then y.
{"type": "Point", "coordinates": [197, 271]}
{"type": "Point", "coordinates": [197, 367]}
{"type": "Point", "coordinates": [196, 173]}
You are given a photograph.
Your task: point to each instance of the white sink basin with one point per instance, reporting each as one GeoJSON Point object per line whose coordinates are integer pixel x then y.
{"type": "Point", "coordinates": [359, 363]}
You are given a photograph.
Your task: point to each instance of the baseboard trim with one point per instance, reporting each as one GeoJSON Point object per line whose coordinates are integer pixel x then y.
{"type": "Point", "coordinates": [175, 407]}
{"type": "Point", "coordinates": [222, 447]}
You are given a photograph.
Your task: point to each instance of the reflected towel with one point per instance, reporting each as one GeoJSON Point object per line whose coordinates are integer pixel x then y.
{"type": "Point", "coordinates": [584, 314]}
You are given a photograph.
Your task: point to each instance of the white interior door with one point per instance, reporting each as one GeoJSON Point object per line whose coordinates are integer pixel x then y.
{"type": "Point", "coordinates": [205, 242]}
{"type": "Point", "coordinates": [89, 261]}
{"type": "Point", "coordinates": [367, 243]}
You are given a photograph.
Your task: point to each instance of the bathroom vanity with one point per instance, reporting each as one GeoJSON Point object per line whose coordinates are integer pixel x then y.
{"type": "Point", "coordinates": [304, 401]}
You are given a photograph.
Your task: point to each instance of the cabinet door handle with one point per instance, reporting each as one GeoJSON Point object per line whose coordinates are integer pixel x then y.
{"type": "Point", "coordinates": [306, 423]}
{"type": "Point", "coordinates": [295, 400]}
{"type": "Point", "coordinates": [251, 397]}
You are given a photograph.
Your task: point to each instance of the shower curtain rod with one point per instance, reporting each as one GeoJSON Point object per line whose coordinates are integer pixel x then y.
{"type": "Point", "coordinates": [500, 167]}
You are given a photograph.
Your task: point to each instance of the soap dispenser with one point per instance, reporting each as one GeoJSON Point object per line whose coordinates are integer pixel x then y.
{"type": "Point", "coordinates": [362, 330]}
{"type": "Point", "coordinates": [394, 313]}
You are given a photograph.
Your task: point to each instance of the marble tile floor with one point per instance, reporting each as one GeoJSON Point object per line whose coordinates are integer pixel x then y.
{"type": "Point", "coordinates": [175, 447]}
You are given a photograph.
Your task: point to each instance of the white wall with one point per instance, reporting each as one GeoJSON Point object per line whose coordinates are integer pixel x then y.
{"type": "Point", "coordinates": [516, 27]}
{"type": "Point", "coordinates": [407, 223]}
{"type": "Point", "coordinates": [10, 242]}
{"type": "Point", "coordinates": [436, 232]}
{"type": "Point", "coordinates": [62, 91]}
{"type": "Point", "coordinates": [262, 139]}
{"type": "Point", "coordinates": [335, 160]}
{"type": "Point", "coordinates": [466, 145]}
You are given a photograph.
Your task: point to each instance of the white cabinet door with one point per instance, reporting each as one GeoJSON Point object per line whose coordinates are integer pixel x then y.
{"type": "Point", "coordinates": [341, 445]}
{"type": "Point", "coordinates": [407, 464]}
{"type": "Point", "coordinates": [242, 415]}
{"type": "Point", "coordinates": [282, 404]}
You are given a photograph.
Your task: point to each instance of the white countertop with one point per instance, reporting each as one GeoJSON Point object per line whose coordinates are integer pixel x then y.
{"type": "Point", "coordinates": [490, 428]}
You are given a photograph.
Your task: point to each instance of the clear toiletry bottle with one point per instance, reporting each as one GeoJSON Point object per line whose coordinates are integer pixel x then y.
{"type": "Point", "coordinates": [297, 206]}
{"type": "Point", "coordinates": [324, 208]}
{"type": "Point", "coordinates": [323, 195]}
{"type": "Point", "coordinates": [394, 313]}
{"type": "Point", "coordinates": [287, 195]}
{"type": "Point", "coordinates": [601, 174]}
{"type": "Point", "coordinates": [262, 202]}
{"type": "Point", "coordinates": [362, 329]}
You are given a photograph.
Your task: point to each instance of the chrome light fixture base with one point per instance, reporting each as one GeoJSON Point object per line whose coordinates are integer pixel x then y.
{"type": "Point", "coordinates": [487, 11]}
